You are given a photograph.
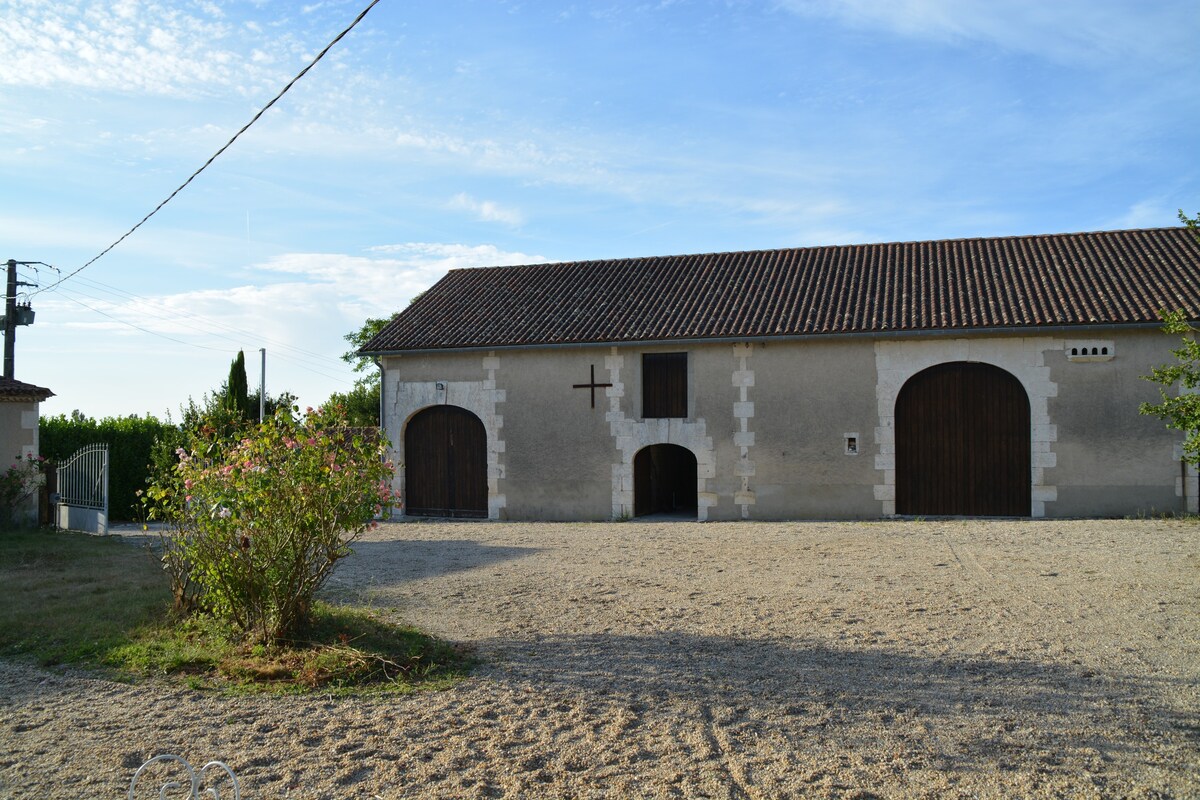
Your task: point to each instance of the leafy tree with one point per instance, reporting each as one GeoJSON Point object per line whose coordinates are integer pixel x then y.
{"type": "Point", "coordinates": [359, 338]}
{"type": "Point", "coordinates": [1192, 223]}
{"type": "Point", "coordinates": [283, 400]}
{"type": "Point", "coordinates": [362, 402]}
{"type": "Point", "coordinates": [262, 517]}
{"type": "Point", "coordinates": [1182, 410]}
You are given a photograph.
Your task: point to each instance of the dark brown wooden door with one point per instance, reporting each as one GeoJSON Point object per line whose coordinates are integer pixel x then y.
{"type": "Point", "coordinates": [664, 481]}
{"type": "Point", "coordinates": [962, 442]}
{"type": "Point", "coordinates": [445, 464]}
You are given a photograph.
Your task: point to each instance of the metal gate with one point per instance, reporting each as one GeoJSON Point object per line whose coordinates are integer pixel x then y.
{"type": "Point", "coordinates": [83, 490]}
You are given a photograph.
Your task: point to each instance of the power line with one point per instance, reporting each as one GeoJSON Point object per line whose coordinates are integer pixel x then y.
{"type": "Point", "coordinates": [302, 363]}
{"type": "Point", "coordinates": [143, 330]}
{"type": "Point", "coordinates": [214, 156]}
{"type": "Point", "coordinates": [200, 318]}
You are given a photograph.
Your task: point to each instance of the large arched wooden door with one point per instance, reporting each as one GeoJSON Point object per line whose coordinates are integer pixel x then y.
{"type": "Point", "coordinates": [962, 442]}
{"type": "Point", "coordinates": [445, 464]}
{"type": "Point", "coordinates": [664, 481]}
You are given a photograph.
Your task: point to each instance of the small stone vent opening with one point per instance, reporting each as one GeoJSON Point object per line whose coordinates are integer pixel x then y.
{"type": "Point", "coordinates": [1090, 350]}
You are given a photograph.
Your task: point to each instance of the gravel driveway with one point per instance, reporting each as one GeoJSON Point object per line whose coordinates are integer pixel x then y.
{"type": "Point", "coordinates": [724, 660]}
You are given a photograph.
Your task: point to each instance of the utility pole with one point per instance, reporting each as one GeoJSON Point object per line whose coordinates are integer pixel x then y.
{"type": "Point", "coordinates": [10, 320]}
{"type": "Point", "coordinates": [262, 386]}
{"type": "Point", "coordinates": [14, 315]}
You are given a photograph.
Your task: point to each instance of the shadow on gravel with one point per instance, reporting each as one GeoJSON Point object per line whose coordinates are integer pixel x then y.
{"type": "Point", "coordinates": [379, 564]}
{"type": "Point", "coordinates": [814, 681]}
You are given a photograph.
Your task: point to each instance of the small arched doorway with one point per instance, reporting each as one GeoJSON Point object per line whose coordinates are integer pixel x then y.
{"type": "Point", "coordinates": [962, 442]}
{"type": "Point", "coordinates": [664, 481]}
{"type": "Point", "coordinates": [445, 464]}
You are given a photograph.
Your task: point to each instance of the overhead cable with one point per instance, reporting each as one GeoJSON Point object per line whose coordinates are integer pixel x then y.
{"type": "Point", "coordinates": [225, 147]}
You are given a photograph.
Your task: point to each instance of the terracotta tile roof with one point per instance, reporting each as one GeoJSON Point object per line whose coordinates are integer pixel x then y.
{"type": "Point", "coordinates": [1114, 277]}
{"type": "Point", "coordinates": [15, 391]}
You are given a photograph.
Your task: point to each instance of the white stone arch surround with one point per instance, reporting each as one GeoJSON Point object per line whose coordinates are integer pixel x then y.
{"type": "Point", "coordinates": [481, 398]}
{"type": "Point", "coordinates": [630, 435]}
{"type": "Point", "coordinates": [1024, 357]}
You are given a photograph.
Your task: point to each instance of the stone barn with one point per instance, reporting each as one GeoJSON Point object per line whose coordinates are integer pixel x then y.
{"type": "Point", "coordinates": [979, 377]}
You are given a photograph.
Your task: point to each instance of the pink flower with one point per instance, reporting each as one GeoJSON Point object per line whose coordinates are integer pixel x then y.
{"type": "Point", "coordinates": [188, 483]}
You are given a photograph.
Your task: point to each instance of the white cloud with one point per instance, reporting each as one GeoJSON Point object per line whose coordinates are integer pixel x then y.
{"type": "Point", "coordinates": [299, 308]}
{"type": "Point", "coordinates": [1146, 214]}
{"type": "Point", "coordinates": [1070, 30]}
{"type": "Point", "coordinates": [486, 210]}
{"type": "Point", "coordinates": [132, 46]}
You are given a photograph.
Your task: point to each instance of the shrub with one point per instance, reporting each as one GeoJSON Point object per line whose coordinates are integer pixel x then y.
{"type": "Point", "coordinates": [18, 484]}
{"type": "Point", "coordinates": [262, 520]}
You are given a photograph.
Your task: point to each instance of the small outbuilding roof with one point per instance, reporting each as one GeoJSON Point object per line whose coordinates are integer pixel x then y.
{"type": "Point", "coordinates": [1013, 282]}
{"type": "Point", "coordinates": [15, 391]}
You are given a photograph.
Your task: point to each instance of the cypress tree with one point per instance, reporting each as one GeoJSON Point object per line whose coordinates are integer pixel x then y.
{"type": "Point", "coordinates": [237, 396]}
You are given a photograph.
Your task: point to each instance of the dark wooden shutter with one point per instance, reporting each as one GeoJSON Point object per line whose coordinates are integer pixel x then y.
{"type": "Point", "coordinates": [664, 385]}
{"type": "Point", "coordinates": [962, 443]}
{"type": "Point", "coordinates": [445, 464]}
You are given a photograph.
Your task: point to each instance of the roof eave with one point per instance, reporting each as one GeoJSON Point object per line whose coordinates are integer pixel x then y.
{"type": "Point", "coordinates": [799, 337]}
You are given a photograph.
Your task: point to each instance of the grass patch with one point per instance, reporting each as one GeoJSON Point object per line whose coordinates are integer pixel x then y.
{"type": "Point", "coordinates": [100, 603]}
{"type": "Point", "coordinates": [344, 651]}
{"type": "Point", "coordinates": [71, 598]}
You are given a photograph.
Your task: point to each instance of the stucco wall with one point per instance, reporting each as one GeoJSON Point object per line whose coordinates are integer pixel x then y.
{"type": "Point", "coordinates": [768, 423]}
{"type": "Point", "coordinates": [559, 454]}
{"type": "Point", "coordinates": [18, 436]}
{"type": "Point", "coordinates": [1112, 461]}
{"type": "Point", "coordinates": [563, 459]}
{"type": "Point", "coordinates": [18, 430]}
{"type": "Point", "coordinates": [807, 397]}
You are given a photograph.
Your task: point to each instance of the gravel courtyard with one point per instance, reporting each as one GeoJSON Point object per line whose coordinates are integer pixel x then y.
{"type": "Point", "coordinates": [722, 660]}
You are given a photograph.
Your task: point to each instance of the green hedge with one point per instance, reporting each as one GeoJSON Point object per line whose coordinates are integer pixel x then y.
{"type": "Point", "coordinates": [134, 443]}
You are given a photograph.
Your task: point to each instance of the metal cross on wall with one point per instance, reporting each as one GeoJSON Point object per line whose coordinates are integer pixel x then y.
{"type": "Point", "coordinates": [593, 385]}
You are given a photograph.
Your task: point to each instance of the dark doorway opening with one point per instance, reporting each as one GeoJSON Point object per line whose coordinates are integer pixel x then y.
{"type": "Point", "coordinates": [445, 460]}
{"type": "Point", "coordinates": [962, 443]}
{"type": "Point", "coordinates": [664, 481]}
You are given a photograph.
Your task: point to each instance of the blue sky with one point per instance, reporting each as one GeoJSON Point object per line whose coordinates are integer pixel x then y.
{"type": "Point", "coordinates": [447, 133]}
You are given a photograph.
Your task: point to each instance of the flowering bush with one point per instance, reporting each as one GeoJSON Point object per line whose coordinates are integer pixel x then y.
{"type": "Point", "coordinates": [262, 520]}
{"type": "Point", "coordinates": [17, 484]}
